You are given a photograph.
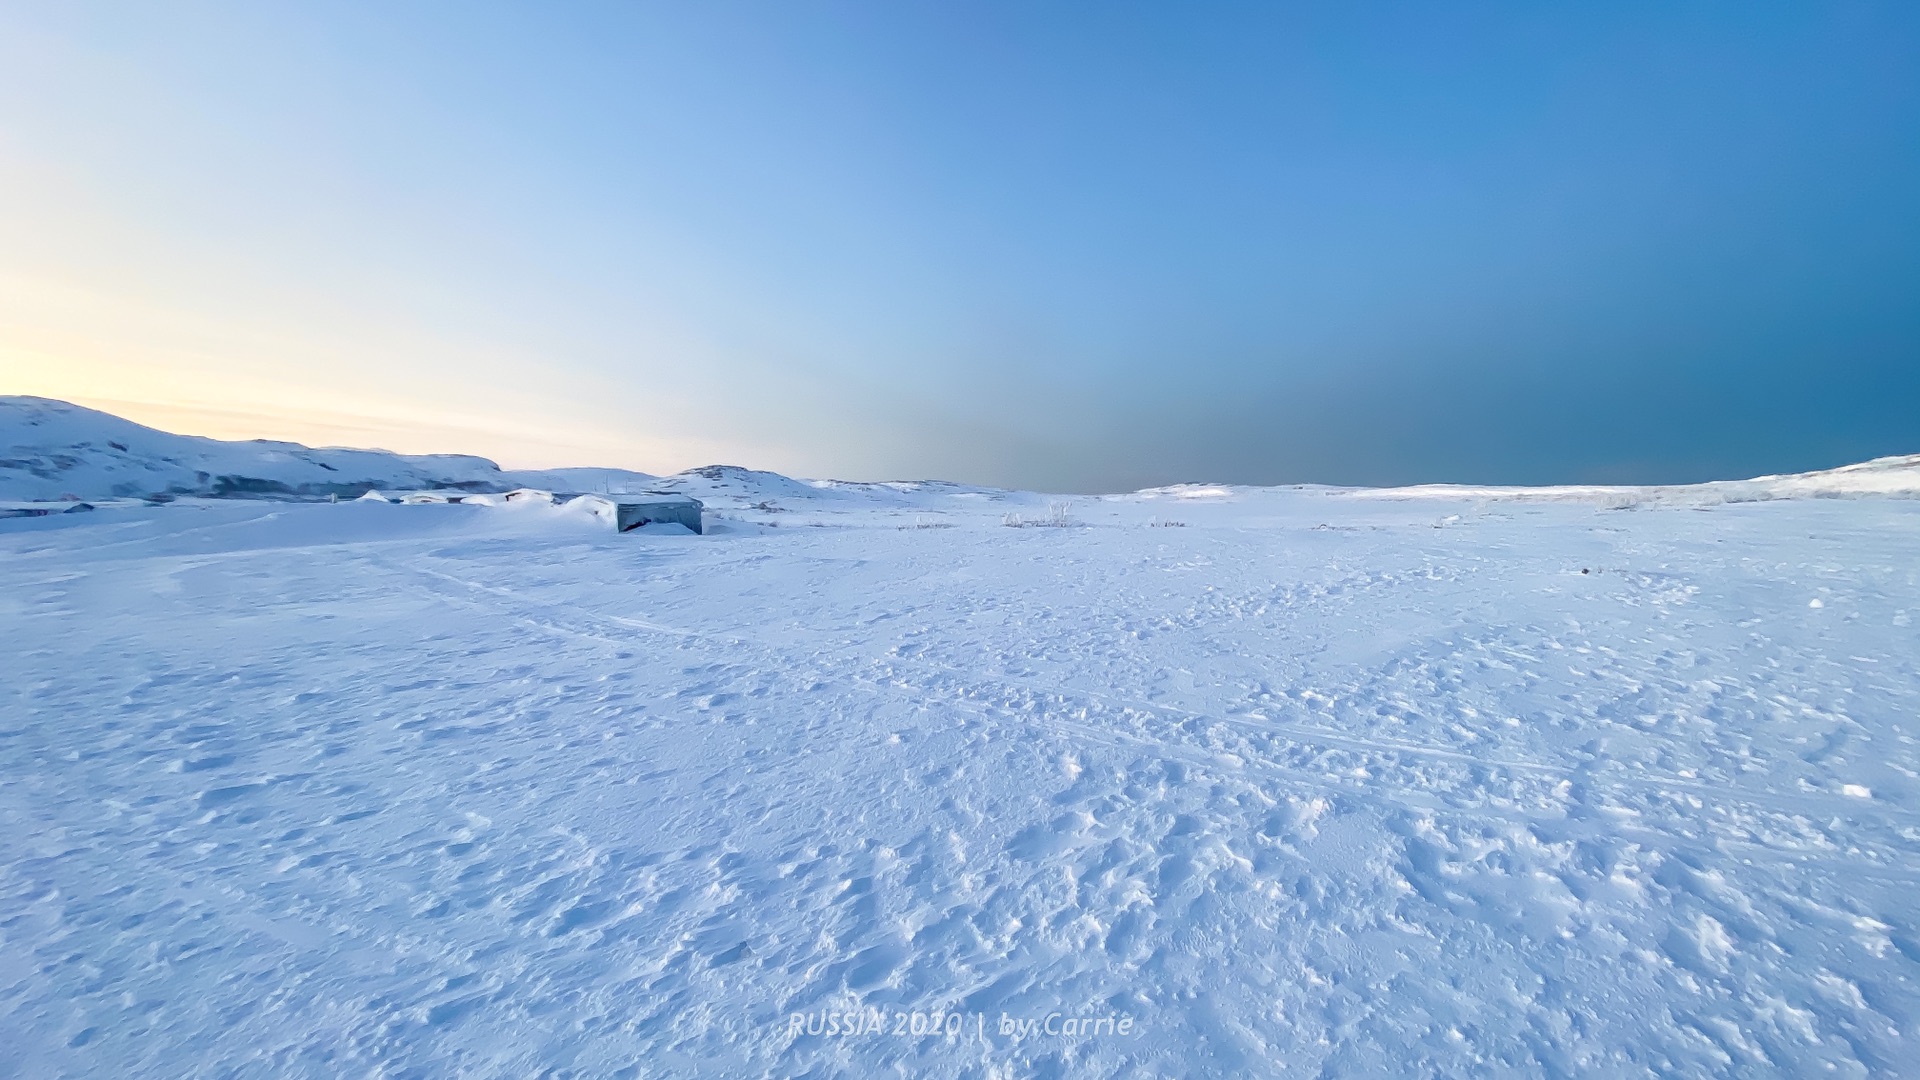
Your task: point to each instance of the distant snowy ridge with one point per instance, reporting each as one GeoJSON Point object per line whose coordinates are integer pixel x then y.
{"type": "Point", "coordinates": [1887, 477]}
{"type": "Point", "coordinates": [53, 450]}
{"type": "Point", "coordinates": [1897, 477]}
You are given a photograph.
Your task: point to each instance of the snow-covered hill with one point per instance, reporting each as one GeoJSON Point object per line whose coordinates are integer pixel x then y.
{"type": "Point", "coordinates": [1888, 476]}
{"type": "Point", "coordinates": [51, 450]}
{"type": "Point", "coordinates": [54, 450]}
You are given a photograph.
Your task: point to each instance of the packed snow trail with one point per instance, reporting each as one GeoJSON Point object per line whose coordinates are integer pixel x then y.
{"type": "Point", "coordinates": [1316, 784]}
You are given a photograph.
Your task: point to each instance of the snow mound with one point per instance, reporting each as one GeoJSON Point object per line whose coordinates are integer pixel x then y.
{"type": "Point", "coordinates": [734, 483]}
{"type": "Point", "coordinates": [605, 481]}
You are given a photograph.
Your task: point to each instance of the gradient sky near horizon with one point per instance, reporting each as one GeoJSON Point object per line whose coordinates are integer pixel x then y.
{"type": "Point", "coordinates": [1066, 246]}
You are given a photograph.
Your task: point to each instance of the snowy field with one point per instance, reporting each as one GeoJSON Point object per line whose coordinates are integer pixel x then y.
{"type": "Point", "coordinates": [1316, 783]}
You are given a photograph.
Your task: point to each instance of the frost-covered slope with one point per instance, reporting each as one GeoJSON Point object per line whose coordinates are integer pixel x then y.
{"type": "Point", "coordinates": [1306, 786]}
{"type": "Point", "coordinates": [53, 449]}
{"type": "Point", "coordinates": [1882, 477]}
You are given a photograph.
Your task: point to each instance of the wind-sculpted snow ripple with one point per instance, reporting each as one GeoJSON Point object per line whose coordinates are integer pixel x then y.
{"type": "Point", "coordinates": [1389, 799]}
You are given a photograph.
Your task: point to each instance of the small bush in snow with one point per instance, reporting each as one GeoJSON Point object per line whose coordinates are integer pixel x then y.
{"type": "Point", "coordinates": [1057, 518]}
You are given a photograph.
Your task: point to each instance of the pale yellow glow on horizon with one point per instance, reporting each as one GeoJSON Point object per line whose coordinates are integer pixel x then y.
{"type": "Point", "coordinates": [286, 337]}
{"type": "Point", "coordinates": [231, 380]}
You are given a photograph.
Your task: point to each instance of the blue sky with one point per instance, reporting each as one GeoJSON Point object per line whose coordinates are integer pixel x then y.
{"type": "Point", "coordinates": [1072, 246]}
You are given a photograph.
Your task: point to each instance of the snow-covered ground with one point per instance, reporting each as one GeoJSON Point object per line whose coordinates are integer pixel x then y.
{"type": "Point", "coordinates": [1301, 781]}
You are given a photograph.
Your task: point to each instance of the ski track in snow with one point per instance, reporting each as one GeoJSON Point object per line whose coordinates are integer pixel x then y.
{"type": "Point", "coordinates": [1315, 786]}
